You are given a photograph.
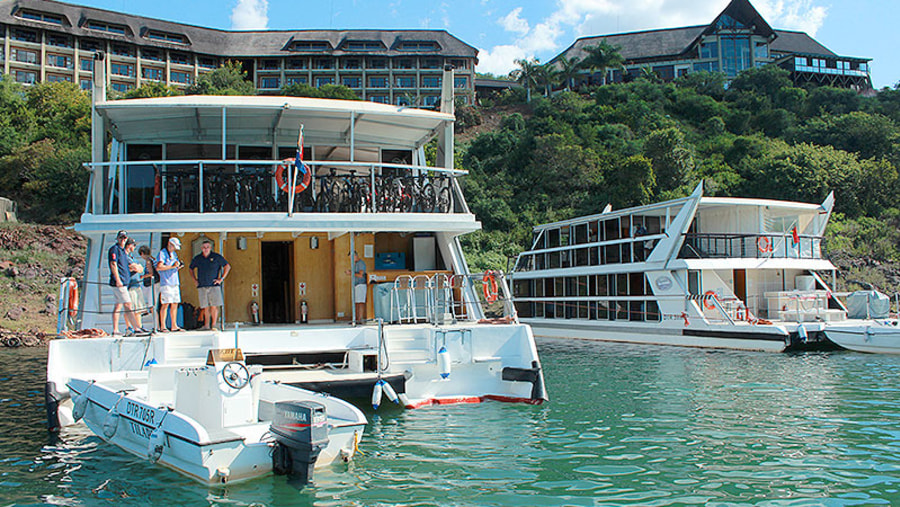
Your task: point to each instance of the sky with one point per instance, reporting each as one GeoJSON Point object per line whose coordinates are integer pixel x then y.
{"type": "Point", "coordinates": [506, 30]}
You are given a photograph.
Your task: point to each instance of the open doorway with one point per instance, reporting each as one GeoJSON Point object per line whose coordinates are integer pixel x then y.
{"type": "Point", "coordinates": [277, 274]}
{"type": "Point", "coordinates": [740, 284]}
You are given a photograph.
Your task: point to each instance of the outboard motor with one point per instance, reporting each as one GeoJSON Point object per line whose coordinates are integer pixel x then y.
{"type": "Point", "coordinates": [301, 432]}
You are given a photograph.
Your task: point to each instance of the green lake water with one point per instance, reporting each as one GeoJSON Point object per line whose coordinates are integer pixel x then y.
{"type": "Point", "coordinates": [626, 425]}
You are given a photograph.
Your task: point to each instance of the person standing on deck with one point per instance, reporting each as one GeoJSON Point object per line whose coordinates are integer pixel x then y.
{"type": "Point", "coordinates": [168, 264]}
{"type": "Point", "coordinates": [359, 287]}
{"type": "Point", "coordinates": [119, 274]}
{"type": "Point", "coordinates": [212, 269]}
{"type": "Point", "coordinates": [150, 278]}
{"type": "Point", "coordinates": [138, 305]}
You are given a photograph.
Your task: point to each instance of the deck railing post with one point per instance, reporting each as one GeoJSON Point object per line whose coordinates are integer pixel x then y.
{"type": "Point", "coordinates": [200, 184]}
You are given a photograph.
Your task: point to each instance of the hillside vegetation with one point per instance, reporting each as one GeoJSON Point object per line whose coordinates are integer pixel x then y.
{"type": "Point", "coordinates": [554, 158]}
{"type": "Point", "coordinates": [645, 141]}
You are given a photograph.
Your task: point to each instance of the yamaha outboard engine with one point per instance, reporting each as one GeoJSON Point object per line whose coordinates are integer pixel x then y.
{"type": "Point", "coordinates": [301, 432]}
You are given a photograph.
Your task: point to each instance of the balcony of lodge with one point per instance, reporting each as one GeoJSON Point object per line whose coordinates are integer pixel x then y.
{"type": "Point", "coordinates": [208, 155]}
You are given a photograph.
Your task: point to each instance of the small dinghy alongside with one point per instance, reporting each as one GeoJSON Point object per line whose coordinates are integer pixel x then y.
{"type": "Point", "coordinates": [876, 337]}
{"type": "Point", "coordinates": [219, 422]}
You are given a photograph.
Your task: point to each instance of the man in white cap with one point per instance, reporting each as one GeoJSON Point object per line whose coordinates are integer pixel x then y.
{"type": "Point", "coordinates": [168, 264]}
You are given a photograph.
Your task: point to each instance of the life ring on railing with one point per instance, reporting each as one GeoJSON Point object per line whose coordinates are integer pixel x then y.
{"type": "Point", "coordinates": [707, 297]}
{"type": "Point", "coordinates": [490, 287]}
{"type": "Point", "coordinates": [72, 301]}
{"type": "Point", "coordinates": [284, 184]}
{"type": "Point", "coordinates": [764, 244]}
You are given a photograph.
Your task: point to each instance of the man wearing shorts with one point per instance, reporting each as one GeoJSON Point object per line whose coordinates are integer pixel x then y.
{"type": "Point", "coordinates": [134, 286]}
{"type": "Point", "coordinates": [359, 287]}
{"type": "Point", "coordinates": [168, 264]}
{"type": "Point", "coordinates": [212, 269]}
{"type": "Point", "coordinates": [119, 275]}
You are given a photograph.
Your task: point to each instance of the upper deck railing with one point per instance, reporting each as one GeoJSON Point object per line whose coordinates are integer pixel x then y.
{"type": "Point", "coordinates": [210, 186]}
{"type": "Point", "coordinates": [750, 246]}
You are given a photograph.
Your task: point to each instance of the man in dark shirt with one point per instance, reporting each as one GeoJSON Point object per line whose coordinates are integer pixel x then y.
{"type": "Point", "coordinates": [119, 274]}
{"type": "Point", "coordinates": [211, 270]}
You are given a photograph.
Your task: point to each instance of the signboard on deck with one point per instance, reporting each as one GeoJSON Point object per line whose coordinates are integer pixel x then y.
{"type": "Point", "coordinates": [301, 289]}
{"type": "Point", "coordinates": [254, 290]}
{"type": "Point", "coordinates": [223, 355]}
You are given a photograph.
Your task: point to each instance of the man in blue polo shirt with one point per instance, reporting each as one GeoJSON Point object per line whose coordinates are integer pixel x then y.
{"type": "Point", "coordinates": [212, 269]}
{"type": "Point", "coordinates": [119, 274]}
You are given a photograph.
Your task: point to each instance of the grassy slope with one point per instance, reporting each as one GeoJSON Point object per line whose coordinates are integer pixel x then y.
{"type": "Point", "coordinates": [41, 255]}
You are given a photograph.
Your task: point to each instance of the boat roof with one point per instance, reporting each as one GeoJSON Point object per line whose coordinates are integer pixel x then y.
{"type": "Point", "coordinates": [658, 209]}
{"type": "Point", "coordinates": [264, 120]}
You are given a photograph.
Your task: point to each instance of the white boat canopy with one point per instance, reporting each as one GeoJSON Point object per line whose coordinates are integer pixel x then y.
{"type": "Point", "coordinates": [269, 120]}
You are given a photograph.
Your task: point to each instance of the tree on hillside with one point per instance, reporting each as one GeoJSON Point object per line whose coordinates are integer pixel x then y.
{"type": "Point", "coordinates": [568, 71]}
{"type": "Point", "coordinates": [547, 76]}
{"type": "Point", "coordinates": [526, 75]}
{"type": "Point", "coordinates": [152, 89]}
{"type": "Point", "coordinates": [229, 79]}
{"type": "Point", "coordinates": [602, 57]}
{"type": "Point", "coordinates": [329, 91]}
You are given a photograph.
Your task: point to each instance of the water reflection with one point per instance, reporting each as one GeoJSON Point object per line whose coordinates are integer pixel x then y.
{"type": "Point", "coordinates": [626, 425]}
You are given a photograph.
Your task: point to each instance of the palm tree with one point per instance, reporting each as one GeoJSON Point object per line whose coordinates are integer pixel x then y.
{"type": "Point", "coordinates": [526, 75]}
{"type": "Point", "coordinates": [602, 57]}
{"type": "Point", "coordinates": [546, 76]}
{"type": "Point", "coordinates": [568, 70]}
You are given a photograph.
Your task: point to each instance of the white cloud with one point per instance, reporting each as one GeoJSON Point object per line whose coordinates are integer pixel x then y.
{"type": "Point", "coordinates": [578, 18]}
{"type": "Point", "coordinates": [500, 60]}
{"type": "Point", "coordinates": [250, 15]}
{"type": "Point", "coordinates": [513, 23]}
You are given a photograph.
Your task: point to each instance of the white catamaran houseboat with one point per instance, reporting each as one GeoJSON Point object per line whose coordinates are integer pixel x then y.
{"type": "Point", "coordinates": [698, 271]}
{"type": "Point", "coordinates": [214, 168]}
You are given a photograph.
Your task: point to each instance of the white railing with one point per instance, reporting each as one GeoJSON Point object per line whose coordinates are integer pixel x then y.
{"type": "Point", "coordinates": [210, 185]}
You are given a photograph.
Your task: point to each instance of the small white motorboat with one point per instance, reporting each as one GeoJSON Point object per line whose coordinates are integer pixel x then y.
{"type": "Point", "coordinates": [876, 337]}
{"type": "Point", "coordinates": [219, 422]}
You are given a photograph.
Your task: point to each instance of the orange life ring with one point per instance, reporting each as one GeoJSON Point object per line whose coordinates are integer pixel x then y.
{"type": "Point", "coordinates": [284, 184]}
{"type": "Point", "coordinates": [490, 287]}
{"type": "Point", "coordinates": [764, 244]}
{"type": "Point", "coordinates": [706, 303]}
{"type": "Point", "coordinates": [72, 303]}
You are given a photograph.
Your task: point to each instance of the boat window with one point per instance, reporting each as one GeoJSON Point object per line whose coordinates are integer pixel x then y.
{"type": "Point", "coordinates": [539, 309]}
{"type": "Point", "coordinates": [621, 310]}
{"type": "Point", "coordinates": [539, 288]}
{"type": "Point", "coordinates": [581, 257]}
{"type": "Point", "coordinates": [553, 259]}
{"type": "Point", "coordinates": [565, 309]}
{"type": "Point", "coordinates": [636, 284]}
{"type": "Point", "coordinates": [564, 236]}
{"type": "Point", "coordinates": [625, 227]}
{"type": "Point", "coordinates": [622, 284]}
{"type": "Point", "coordinates": [653, 225]}
{"type": "Point", "coordinates": [581, 236]}
{"type": "Point", "coordinates": [653, 311]}
{"type": "Point", "coordinates": [637, 311]}
{"type": "Point", "coordinates": [611, 229]}
{"type": "Point", "coordinates": [525, 263]}
{"type": "Point", "coordinates": [582, 309]}
{"type": "Point", "coordinates": [595, 256]}
{"type": "Point", "coordinates": [522, 288]}
{"type": "Point", "coordinates": [648, 288]}
{"type": "Point", "coordinates": [549, 311]}
{"type": "Point", "coordinates": [611, 288]}
{"type": "Point", "coordinates": [593, 232]}
{"type": "Point", "coordinates": [626, 253]}
{"type": "Point", "coordinates": [602, 310]}
{"type": "Point", "coordinates": [525, 308]}
{"type": "Point", "coordinates": [553, 238]}
{"type": "Point", "coordinates": [559, 286]}
{"type": "Point", "coordinates": [612, 254]}
{"type": "Point", "coordinates": [571, 289]}
{"type": "Point", "coordinates": [539, 261]}
{"type": "Point", "coordinates": [694, 282]}
{"type": "Point", "coordinates": [565, 259]}
{"type": "Point", "coordinates": [582, 286]}
{"type": "Point", "coordinates": [602, 285]}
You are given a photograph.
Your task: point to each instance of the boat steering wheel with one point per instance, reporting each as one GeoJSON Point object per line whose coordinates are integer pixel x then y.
{"type": "Point", "coordinates": [235, 375]}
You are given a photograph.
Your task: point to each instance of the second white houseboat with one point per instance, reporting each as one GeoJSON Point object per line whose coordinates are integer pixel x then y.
{"type": "Point", "coordinates": [698, 271]}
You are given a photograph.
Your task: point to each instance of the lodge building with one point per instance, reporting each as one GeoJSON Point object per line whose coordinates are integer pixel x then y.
{"type": "Point", "coordinates": [737, 39]}
{"type": "Point", "coordinates": [46, 41]}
